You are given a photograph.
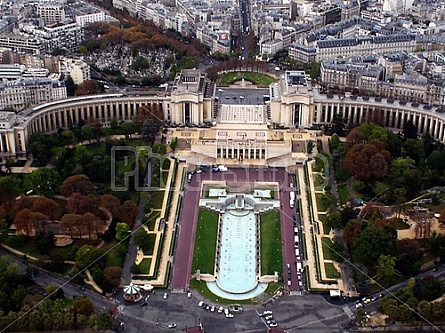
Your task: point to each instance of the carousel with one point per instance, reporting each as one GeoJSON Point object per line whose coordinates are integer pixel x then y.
{"type": "Point", "coordinates": [132, 293]}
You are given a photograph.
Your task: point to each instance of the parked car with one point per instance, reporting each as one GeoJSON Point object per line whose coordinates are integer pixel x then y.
{"type": "Point", "coordinates": [201, 303]}
{"type": "Point", "coordinates": [220, 309]}
{"type": "Point", "coordinates": [171, 325]}
{"type": "Point", "coordinates": [165, 296]}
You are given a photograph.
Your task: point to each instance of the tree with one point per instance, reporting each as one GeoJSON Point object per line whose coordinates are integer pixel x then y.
{"type": "Point", "coordinates": [334, 142]}
{"type": "Point", "coordinates": [83, 306]}
{"type": "Point", "coordinates": [81, 155]}
{"type": "Point", "coordinates": [86, 255]}
{"type": "Point", "coordinates": [46, 206]}
{"type": "Point", "coordinates": [128, 212]}
{"type": "Point", "coordinates": [40, 145]}
{"type": "Point", "coordinates": [69, 223]}
{"type": "Point", "coordinates": [400, 164]}
{"type": "Point", "coordinates": [368, 161]}
{"type": "Point", "coordinates": [149, 130]}
{"type": "Point", "coordinates": [44, 241]}
{"type": "Point", "coordinates": [409, 130]}
{"type": "Point", "coordinates": [373, 131]}
{"type": "Point", "coordinates": [99, 170]}
{"type": "Point", "coordinates": [374, 242]}
{"type": "Point", "coordinates": [129, 128]}
{"type": "Point", "coordinates": [101, 322]}
{"type": "Point", "coordinates": [335, 220]}
{"type": "Point", "coordinates": [9, 188]}
{"type": "Point", "coordinates": [352, 231]}
{"type": "Point", "coordinates": [386, 267]}
{"type": "Point", "coordinates": [113, 275]}
{"type": "Point", "coordinates": [329, 201]}
{"type": "Point", "coordinates": [43, 181]}
{"type": "Point", "coordinates": [141, 238]}
{"type": "Point", "coordinates": [88, 87]}
{"type": "Point", "coordinates": [414, 148]}
{"type": "Point", "coordinates": [23, 222]}
{"type": "Point", "coordinates": [67, 138]}
{"type": "Point", "coordinates": [87, 132]}
{"type": "Point", "coordinates": [78, 204]}
{"type": "Point", "coordinates": [354, 137]}
{"type": "Point", "coordinates": [91, 223]}
{"type": "Point", "coordinates": [109, 202]}
{"type": "Point", "coordinates": [77, 183]}
{"type": "Point", "coordinates": [436, 161]}
{"type": "Point", "coordinates": [121, 231]}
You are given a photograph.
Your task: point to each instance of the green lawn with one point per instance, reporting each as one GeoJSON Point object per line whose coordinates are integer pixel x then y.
{"type": "Point", "coordinates": [205, 242]}
{"type": "Point", "coordinates": [320, 204]}
{"type": "Point", "coordinates": [326, 244]}
{"type": "Point", "coordinates": [342, 174]}
{"type": "Point", "coordinates": [319, 182]}
{"type": "Point", "coordinates": [148, 249]}
{"type": "Point", "coordinates": [343, 193]}
{"type": "Point", "coordinates": [270, 237]}
{"type": "Point", "coordinates": [166, 164]}
{"type": "Point", "coordinates": [201, 287]}
{"type": "Point", "coordinates": [324, 219]}
{"type": "Point", "coordinates": [151, 219]}
{"type": "Point", "coordinates": [116, 256]}
{"type": "Point", "coordinates": [157, 199]}
{"type": "Point", "coordinates": [93, 148]}
{"type": "Point", "coordinates": [331, 271]}
{"type": "Point", "coordinates": [144, 266]}
{"type": "Point", "coordinates": [259, 79]}
{"type": "Point", "coordinates": [164, 178]}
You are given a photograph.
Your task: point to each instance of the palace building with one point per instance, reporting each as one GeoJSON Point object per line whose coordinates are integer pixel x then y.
{"type": "Point", "coordinates": [235, 125]}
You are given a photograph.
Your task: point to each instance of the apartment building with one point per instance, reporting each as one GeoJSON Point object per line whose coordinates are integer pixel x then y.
{"type": "Point", "coordinates": [348, 47]}
{"type": "Point", "coordinates": [20, 94]}
{"type": "Point", "coordinates": [51, 13]}
{"type": "Point", "coordinates": [21, 43]}
{"type": "Point", "coordinates": [79, 71]}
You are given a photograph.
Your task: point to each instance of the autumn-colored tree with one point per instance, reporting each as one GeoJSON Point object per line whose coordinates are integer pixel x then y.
{"type": "Point", "coordinates": [23, 221]}
{"type": "Point", "coordinates": [69, 223]}
{"type": "Point", "coordinates": [352, 231]}
{"type": "Point", "coordinates": [38, 221]}
{"type": "Point", "coordinates": [24, 202]}
{"type": "Point", "coordinates": [90, 223]}
{"type": "Point", "coordinates": [354, 137]}
{"type": "Point", "coordinates": [46, 206]}
{"type": "Point", "coordinates": [113, 274]}
{"type": "Point", "coordinates": [423, 225]}
{"type": "Point", "coordinates": [368, 161]}
{"type": "Point", "coordinates": [88, 87]}
{"type": "Point", "coordinates": [78, 204]}
{"type": "Point", "coordinates": [77, 183]}
{"type": "Point", "coordinates": [128, 213]}
{"type": "Point", "coordinates": [109, 202]}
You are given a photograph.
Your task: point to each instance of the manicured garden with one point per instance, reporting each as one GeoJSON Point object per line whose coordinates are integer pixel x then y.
{"type": "Point", "coordinates": [205, 242]}
{"type": "Point", "coordinates": [271, 247]}
{"type": "Point", "coordinates": [259, 79]}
